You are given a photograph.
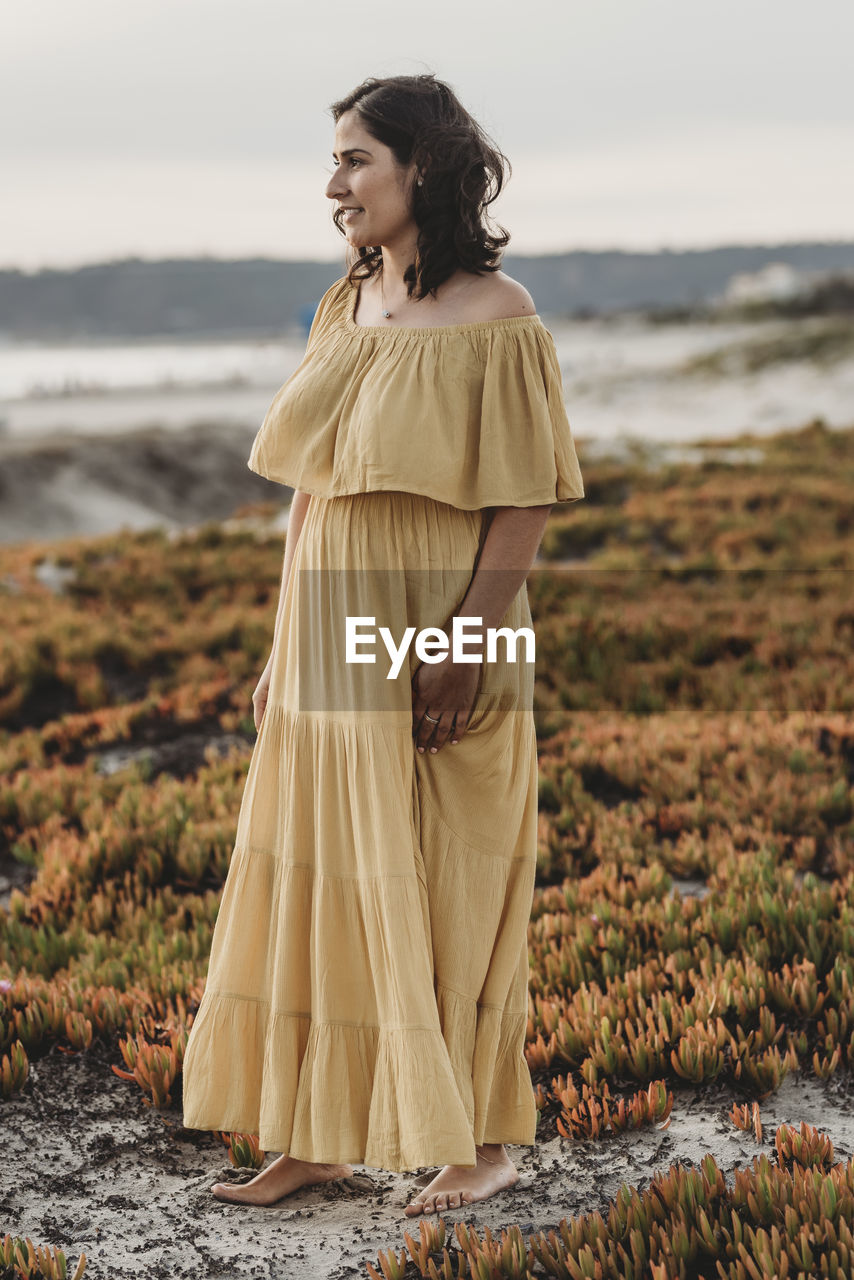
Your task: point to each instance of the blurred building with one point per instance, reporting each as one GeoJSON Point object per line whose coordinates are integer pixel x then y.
{"type": "Point", "coordinates": [775, 282]}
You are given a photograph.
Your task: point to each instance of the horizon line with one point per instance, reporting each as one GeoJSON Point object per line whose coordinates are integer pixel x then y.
{"type": "Point", "coordinates": [711, 247]}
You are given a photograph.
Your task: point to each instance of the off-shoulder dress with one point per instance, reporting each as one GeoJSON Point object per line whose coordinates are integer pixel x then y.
{"type": "Point", "coordinates": [366, 998]}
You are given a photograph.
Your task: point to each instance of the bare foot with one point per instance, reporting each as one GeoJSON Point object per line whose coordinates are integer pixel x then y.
{"type": "Point", "coordinates": [279, 1179]}
{"type": "Point", "coordinates": [458, 1184]}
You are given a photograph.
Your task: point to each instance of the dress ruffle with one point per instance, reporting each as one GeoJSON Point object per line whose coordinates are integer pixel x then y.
{"type": "Point", "coordinates": [330, 1092]}
{"type": "Point", "coordinates": [387, 1097]}
{"type": "Point", "coordinates": [324, 1027]}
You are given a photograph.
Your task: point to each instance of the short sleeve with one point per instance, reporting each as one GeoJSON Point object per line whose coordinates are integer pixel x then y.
{"type": "Point", "coordinates": [526, 452]}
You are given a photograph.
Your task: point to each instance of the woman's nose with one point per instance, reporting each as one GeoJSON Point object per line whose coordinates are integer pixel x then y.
{"type": "Point", "coordinates": [334, 186]}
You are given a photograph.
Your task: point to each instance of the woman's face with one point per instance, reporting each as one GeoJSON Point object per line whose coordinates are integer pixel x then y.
{"type": "Point", "coordinates": [371, 185]}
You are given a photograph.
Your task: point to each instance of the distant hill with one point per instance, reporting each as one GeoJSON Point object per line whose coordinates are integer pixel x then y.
{"type": "Point", "coordinates": [207, 296]}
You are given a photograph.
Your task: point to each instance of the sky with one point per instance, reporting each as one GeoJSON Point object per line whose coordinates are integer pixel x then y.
{"type": "Point", "coordinates": [176, 128]}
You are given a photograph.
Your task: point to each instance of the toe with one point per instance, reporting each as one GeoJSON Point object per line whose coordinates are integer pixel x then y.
{"type": "Point", "coordinates": [454, 1200]}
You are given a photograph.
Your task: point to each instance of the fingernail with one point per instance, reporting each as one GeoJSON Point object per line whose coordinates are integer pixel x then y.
{"type": "Point", "coordinates": [454, 741]}
{"type": "Point", "coordinates": [421, 750]}
{"type": "Point", "coordinates": [432, 751]}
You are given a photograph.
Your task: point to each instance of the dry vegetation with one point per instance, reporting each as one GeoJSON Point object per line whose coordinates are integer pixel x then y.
{"type": "Point", "coordinates": [695, 713]}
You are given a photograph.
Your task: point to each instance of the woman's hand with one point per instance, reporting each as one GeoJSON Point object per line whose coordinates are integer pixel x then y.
{"type": "Point", "coordinates": [259, 697]}
{"type": "Point", "coordinates": [447, 691]}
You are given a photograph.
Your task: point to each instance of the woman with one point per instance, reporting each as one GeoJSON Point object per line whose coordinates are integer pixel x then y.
{"type": "Point", "coordinates": [366, 998]}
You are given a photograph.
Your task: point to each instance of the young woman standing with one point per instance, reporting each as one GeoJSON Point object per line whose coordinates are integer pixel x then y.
{"type": "Point", "coordinates": [367, 992]}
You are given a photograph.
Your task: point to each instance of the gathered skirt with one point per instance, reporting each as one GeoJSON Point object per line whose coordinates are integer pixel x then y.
{"type": "Point", "coordinates": [366, 997]}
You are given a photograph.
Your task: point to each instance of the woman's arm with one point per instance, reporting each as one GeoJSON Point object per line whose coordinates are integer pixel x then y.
{"type": "Point", "coordinates": [447, 689]}
{"type": "Point", "coordinates": [508, 552]}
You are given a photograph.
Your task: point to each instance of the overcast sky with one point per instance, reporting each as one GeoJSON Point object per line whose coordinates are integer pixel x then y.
{"type": "Point", "coordinates": [185, 127]}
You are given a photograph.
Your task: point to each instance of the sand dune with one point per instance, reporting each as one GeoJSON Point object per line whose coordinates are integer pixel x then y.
{"type": "Point", "coordinates": [64, 485]}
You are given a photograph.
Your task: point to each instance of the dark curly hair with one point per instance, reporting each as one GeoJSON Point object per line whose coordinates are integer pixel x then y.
{"type": "Point", "coordinates": [423, 122]}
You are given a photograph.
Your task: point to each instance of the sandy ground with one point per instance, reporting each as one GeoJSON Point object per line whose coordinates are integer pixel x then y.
{"type": "Point", "coordinates": [87, 1165]}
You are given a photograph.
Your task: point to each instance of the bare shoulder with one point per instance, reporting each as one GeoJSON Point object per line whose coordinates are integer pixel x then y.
{"type": "Point", "coordinates": [514, 298]}
{"type": "Point", "coordinates": [497, 296]}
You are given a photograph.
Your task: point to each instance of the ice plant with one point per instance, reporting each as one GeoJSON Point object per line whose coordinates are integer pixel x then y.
{"type": "Point", "coordinates": [392, 1266]}
{"type": "Point", "coordinates": [432, 1241]}
{"type": "Point", "coordinates": [244, 1150]}
{"type": "Point", "coordinates": [743, 1118]}
{"type": "Point", "coordinates": [697, 1058]}
{"type": "Point", "coordinates": [806, 1147]}
{"type": "Point", "coordinates": [36, 1262]}
{"type": "Point", "coordinates": [153, 1066]}
{"type": "Point", "coordinates": [14, 1069]}
{"type": "Point", "coordinates": [627, 965]}
{"type": "Point", "coordinates": [78, 1030]}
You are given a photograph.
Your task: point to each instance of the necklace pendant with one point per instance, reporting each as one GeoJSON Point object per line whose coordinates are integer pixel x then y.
{"type": "Point", "coordinates": [387, 315]}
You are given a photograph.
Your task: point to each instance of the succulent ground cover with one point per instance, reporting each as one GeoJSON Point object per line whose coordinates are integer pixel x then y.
{"type": "Point", "coordinates": [693, 923]}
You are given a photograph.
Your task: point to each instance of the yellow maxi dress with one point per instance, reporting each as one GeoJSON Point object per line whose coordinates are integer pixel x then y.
{"type": "Point", "coordinates": [367, 991]}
